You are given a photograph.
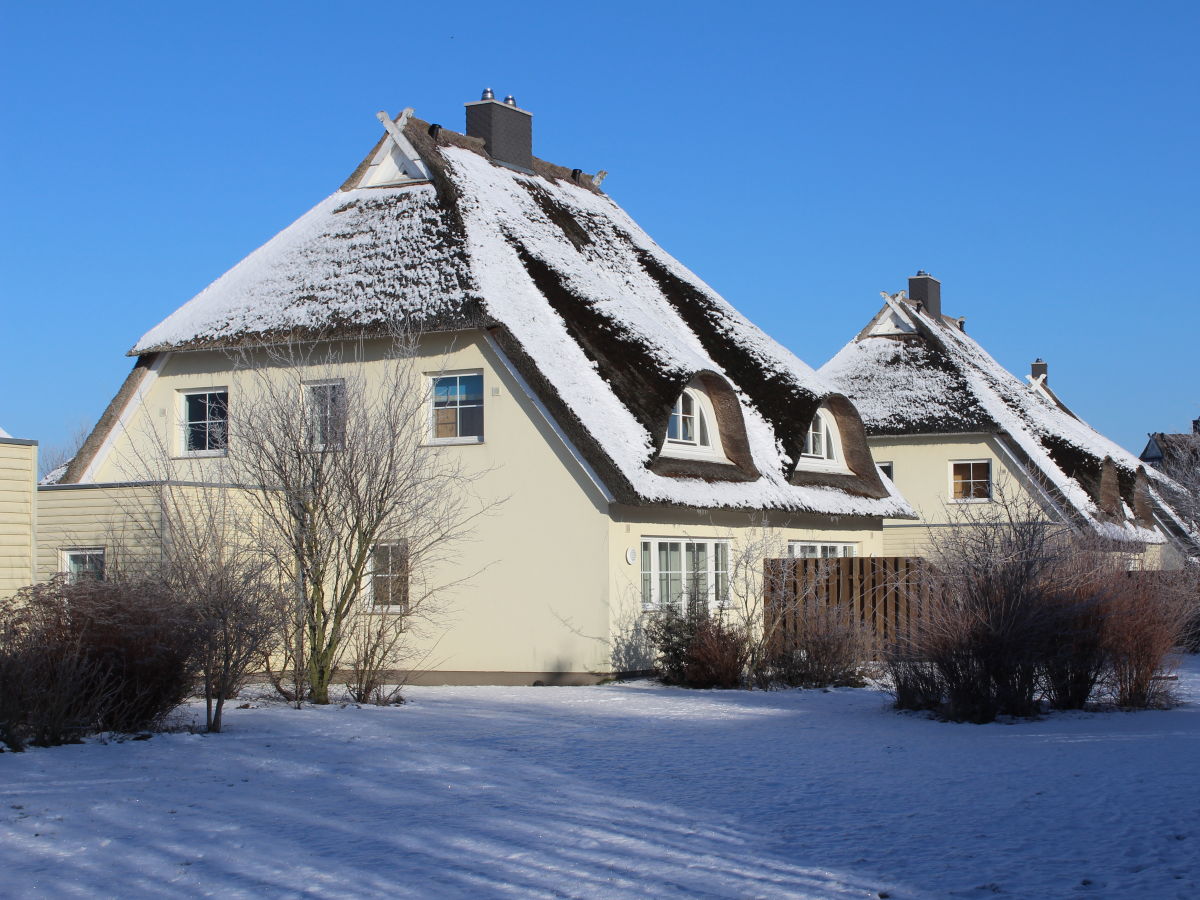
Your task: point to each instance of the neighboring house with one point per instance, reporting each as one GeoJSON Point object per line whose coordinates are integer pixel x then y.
{"type": "Point", "coordinates": [641, 429]}
{"type": "Point", "coordinates": [18, 512]}
{"type": "Point", "coordinates": [952, 427]}
{"type": "Point", "coordinates": [1163, 450]}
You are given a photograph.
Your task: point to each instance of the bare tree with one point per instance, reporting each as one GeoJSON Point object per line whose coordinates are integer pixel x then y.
{"type": "Point", "coordinates": [333, 448]}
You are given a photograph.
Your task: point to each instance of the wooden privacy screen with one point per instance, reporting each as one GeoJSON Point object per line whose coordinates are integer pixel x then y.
{"type": "Point", "coordinates": [882, 592]}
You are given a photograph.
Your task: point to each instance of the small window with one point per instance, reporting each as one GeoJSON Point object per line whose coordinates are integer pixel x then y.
{"type": "Point", "coordinates": [971, 480]}
{"type": "Point", "coordinates": [688, 424]}
{"type": "Point", "coordinates": [205, 421]}
{"type": "Point", "coordinates": [458, 408]}
{"type": "Point", "coordinates": [820, 441]}
{"type": "Point", "coordinates": [326, 403]}
{"type": "Point", "coordinates": [389, 578]}
{"type": "Point", "coordinates": [815, 550]}
{"type": "Point", "coordinates": [688, 575]}
{"type": "Point", "coordinates": [886, 469]}
{"type": "Point", "coordinates": [85, 564]}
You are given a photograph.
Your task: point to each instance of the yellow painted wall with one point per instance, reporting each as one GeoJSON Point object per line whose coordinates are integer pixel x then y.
{"type": "Point", "coordinates": [123, 520]}
{"type": "Point", "coordinates": [18, 511]}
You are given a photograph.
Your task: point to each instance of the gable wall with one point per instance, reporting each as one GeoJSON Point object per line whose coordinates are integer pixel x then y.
{"type": "Point", "coordinates": [18, 477]}
{"type": "Point", "coordinates": [541, 555]}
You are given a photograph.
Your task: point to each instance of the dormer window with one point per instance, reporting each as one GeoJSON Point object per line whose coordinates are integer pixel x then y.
{"type": "Point", "coordinates": [688, 424]}
{"type": "Point", "coordinates": [692, 429]}
{"type": "Point", "coordinates": [821, 440]}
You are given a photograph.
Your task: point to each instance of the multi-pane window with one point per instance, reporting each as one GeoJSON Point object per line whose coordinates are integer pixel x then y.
{"type": "Point", "coordinates": [971, 480]}
{"type": "Point", "coordinates": [818, 442]}
{"type": "Point", "coordinates": [326, 403]}
{"type": "Point", "coordinates": [389, 577]}
{"type": "Point", "coordinates": [814, 550]}
{"type": "Point", "coordinates": [688, 424]}
{"type": "Point", "coordinates": [206, 421]}
{"type": "Point", "coordinates": [689, 575]}
{"type": "Point", "coordinates": [458, 407]}
{"type": "Point", "coordinates": [84, 564]}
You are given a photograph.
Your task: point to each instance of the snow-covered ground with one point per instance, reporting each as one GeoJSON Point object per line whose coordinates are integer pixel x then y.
{"type": "Point", "coordinates": [629, 790]}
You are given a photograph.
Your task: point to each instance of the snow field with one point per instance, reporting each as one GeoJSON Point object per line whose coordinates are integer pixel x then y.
{"type": "Point", "coordinates": [623, 791]}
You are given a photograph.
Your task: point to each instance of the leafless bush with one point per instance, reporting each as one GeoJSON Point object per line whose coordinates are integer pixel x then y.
{"type": "Point", "coordinates": [1145, 620]}
{"type": "Point", "coordinates": [830, 648]}
{"type": "Point", "coordinates": [716, 656]}
{"type": "Point", "coordinates": [92, 656]}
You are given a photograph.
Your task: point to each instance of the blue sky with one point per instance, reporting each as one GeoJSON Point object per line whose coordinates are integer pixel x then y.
{"type": "Point", "coordinates": [1039, 158]}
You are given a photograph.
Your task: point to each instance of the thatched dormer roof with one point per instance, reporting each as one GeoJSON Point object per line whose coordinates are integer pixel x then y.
{"type": "Point", "coordinates": [604, 325]}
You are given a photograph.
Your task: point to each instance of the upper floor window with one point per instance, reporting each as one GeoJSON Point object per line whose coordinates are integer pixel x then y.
{"type": "Point", "coordinates": [821, 440]}
{"type": "Point", "coordinates": [971, 480]}
{"type": "Point", "coordinates": [326, 402]}
{"type": "Point", "coordinates": [688, 424]}
{"type": "Point", "coordinates": [206, 421]}
{"type": "Point", "coordinates": [888, 469]}
{"type": "Point", "coordinates": [458, 408]}
{"type": "Point", "coordinates": [83, 564]}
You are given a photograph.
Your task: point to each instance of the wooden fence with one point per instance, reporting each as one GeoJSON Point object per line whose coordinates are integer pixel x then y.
{"type": "Point", "coordinates": [883, 592]}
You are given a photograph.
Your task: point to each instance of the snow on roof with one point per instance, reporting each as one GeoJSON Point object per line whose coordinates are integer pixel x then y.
{"type": "Point", "coordinates": [605, 325]}
{"type": "Point", "coordinates": [4, 434]}
{"type": "Point", "coordinates": [939, 380]}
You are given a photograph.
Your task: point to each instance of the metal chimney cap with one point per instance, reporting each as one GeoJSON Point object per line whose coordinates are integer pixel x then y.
{"type": "Point", "coordinates": [921, 272]}
{"type": "Point", "coordinates": [510, 100]}
{"type": "Point", "coordinates": [487, 94]}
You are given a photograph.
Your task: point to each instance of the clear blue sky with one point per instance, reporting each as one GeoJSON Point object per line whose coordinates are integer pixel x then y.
{"type": "Point", "coordinates": [1040, 158]}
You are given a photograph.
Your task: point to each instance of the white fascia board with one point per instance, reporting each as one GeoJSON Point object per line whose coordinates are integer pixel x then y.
{"type": "Point", "coordinates": [89, 474]}
{"type": "Point", "coordinates": [549, 419]}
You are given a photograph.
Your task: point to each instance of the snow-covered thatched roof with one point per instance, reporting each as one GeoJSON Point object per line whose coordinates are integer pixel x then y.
{"type": "Point", "coordinates": [605, 326]}
{"type": "Point", "coordinates": [909, 373]}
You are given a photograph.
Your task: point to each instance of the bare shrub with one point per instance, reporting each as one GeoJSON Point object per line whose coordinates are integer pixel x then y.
{"type": "Point", "coordinates": [92, 656]}
{"type": "Point", "coordinates": [831, 647]}
{"type": "Point", "coordinates": [915, 682]}
{"type": "Point", "coordinates": [1145, 620]}
{"type": "Point", "coordinates": [716, 656]}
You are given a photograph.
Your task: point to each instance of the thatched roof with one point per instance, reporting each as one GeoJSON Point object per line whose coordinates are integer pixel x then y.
{"type": "Point", "coordinates": [911, 375]}
{"type": "Point", "coordinates": [604, 325]}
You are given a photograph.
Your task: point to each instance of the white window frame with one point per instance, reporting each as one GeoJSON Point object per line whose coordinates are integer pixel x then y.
{"type": "Point", "coordinates": [64, 561]}
{"type": "Point", "coordinates": [469, 439]}
{"type": "Point", "coordinates": [312, 414]}
{"type": "Point", "coordinates": [831, 459]}
{"type": "Point", "coordinates": [717, 587]}
{"type": "Point", "coordinates": [991, 480]}
{"type": "Point", "coordinates": [185, 423]}
{"type": "Point", "coordinates": [891, 470]}
{"type": "Point", "coordinates": [704, 413]}
{"type": "Point", "coordinates": [400, 609]}
{"type": "Point", "coordinates": [822, 549]}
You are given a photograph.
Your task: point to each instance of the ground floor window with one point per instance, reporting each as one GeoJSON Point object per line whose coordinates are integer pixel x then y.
{"type": "Point", "coordinates": [83, 564]}
{"type": "Point", "coordinates": [684, 574]}
{"type": "Point", "coordinates": [815, 550]}
{"type": "Point", "coordinates": [389, 578]}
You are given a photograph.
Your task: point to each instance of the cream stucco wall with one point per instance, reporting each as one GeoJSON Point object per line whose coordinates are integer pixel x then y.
{"type": "Point", "coordinates": [549, 585]}
{"type": "Point", "coordinates": [921, 470]}
{"type": "Point", "coordinates": [18, 513]}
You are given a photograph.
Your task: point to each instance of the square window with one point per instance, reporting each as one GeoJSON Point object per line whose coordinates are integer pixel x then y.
{"type": "Point", "coordinates": [971, 480]}
{"type": "Point", "coordinates": [887, 469]}
{"type": "Point", "coordinates": [84, 564]}
{"type": "Point", "coordinates": [458, 407]}
{"type": "Point", "coordinates": [206, 421]}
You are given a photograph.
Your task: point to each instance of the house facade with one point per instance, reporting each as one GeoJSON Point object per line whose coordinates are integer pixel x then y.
{"type": "Point", "coordinates": [957, 432]}
{"type": "Point", "coordinates": [627, 432]}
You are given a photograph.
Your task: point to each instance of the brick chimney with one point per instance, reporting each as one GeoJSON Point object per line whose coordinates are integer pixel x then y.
{"type": "Point", "coordinates": [1040, 367]}
{"type": "Point", "coordinates": [925, 291]}
{"type": "Point", "coordinates": [506, 129]}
